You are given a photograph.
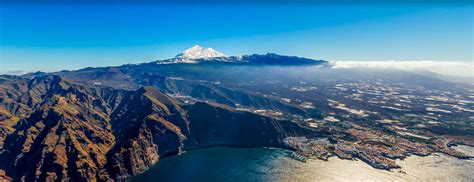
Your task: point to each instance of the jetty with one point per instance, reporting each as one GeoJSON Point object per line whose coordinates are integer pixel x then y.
{"type": "Point", "coordinates": [298, 157]}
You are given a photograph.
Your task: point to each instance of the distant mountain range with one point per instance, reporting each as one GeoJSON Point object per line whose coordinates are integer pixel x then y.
{"type": "Point", "coordinates": [199, 55]}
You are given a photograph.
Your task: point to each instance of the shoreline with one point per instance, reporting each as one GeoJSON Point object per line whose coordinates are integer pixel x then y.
{"type": "Point", "coordinates": [287, 151]}
{"type": "Point", "coordinates": [275, 164]}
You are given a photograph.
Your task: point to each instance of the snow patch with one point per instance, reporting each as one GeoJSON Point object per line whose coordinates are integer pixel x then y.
{"type": "Point", "coordinates": [198, 52]}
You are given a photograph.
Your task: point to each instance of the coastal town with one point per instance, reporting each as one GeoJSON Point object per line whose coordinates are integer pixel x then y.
{"type": "Point", "coordinates": [374, 121]}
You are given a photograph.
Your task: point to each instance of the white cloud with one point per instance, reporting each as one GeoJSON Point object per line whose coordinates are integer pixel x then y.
{"type": "Point", "coordinates": [441, 67]}
{"type": "Point", "coordinates": [14, 72]}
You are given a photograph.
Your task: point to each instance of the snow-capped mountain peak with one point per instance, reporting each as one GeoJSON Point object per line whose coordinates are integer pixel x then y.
{"type": "Point", "coordinates": [198, 52]}
{"type": "Point", "coordinates": [204, 55]}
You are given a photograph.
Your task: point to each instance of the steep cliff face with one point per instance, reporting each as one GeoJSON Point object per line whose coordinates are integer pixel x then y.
{"type": "Point", "coordinates": [52, 128]}
{"type": "Point", "coordinates": [147, 124]}
{"type": "Point", "coordinates": [212, 125]}
{"type": "Point", "coordinates": [66, 135]}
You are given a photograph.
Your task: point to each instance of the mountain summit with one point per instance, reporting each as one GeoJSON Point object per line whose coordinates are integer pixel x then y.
{"type": "Point", "coordinates": [198, 52]}
{"type": "Point", "coordinates": [205, 55]}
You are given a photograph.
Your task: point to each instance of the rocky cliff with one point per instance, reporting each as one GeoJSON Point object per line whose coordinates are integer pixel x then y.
{"type": "Point", "coordinates": [56, 129]}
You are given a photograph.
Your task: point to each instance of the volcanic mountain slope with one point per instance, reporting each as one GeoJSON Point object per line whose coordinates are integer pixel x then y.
{"type": "Point", "coordinates": [185, 79]}
{"type": "Point", "coordinates": [199, 76]}
{"type": "Point", "coordinates": [56, 129]}
{"type": "Point", "coordinates": [66, 134]}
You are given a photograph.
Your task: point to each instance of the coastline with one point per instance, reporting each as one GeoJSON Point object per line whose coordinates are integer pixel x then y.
{"type": "Point", "coordinates": [274, 164]}
{"type": "Point", "coordinates": [404, 162]}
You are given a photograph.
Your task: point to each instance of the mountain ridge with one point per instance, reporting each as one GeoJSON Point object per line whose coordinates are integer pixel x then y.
{"type": "Point", "coordinates": [78, 132]}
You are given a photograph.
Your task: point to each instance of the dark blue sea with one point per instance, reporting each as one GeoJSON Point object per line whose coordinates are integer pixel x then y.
{"type": "Point", "coordinates": [265, 164]}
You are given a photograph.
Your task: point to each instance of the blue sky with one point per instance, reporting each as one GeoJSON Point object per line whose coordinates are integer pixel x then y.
{"type": "Point", "coordinates": [57, 37]}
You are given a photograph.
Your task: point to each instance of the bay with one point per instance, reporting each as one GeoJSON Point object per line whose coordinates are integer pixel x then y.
{"type": "Point", "coordinates": [266, 164]}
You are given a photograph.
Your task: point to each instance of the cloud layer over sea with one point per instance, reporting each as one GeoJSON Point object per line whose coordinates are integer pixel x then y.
{"type": "Point", "coordinates": [442, 67]}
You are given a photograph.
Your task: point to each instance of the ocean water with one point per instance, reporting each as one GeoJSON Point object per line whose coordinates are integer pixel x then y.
{"type": "Point", "coordinates": [264, 164]}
